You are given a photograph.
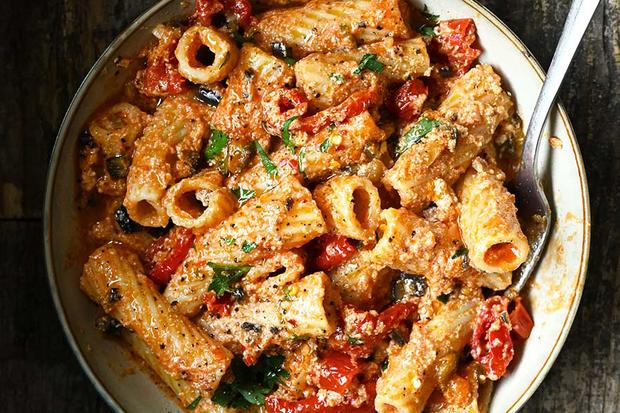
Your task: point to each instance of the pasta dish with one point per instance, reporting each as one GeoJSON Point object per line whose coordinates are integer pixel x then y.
{"type": "Point", "coordinates": [300, 206]}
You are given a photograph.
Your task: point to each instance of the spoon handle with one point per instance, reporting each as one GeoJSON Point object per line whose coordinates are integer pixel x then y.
{"type": "Point", "coordinates": [579, 17]}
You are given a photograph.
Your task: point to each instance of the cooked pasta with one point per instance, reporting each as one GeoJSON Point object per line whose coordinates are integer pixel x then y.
{"type": "Point", "coordinates": [488, 221]}
{"type": "Point", "coordinates": [303, 209]}
{"type": "Point", "coordinates": [200, 201]}
{"type": "Point", "coordinates": [198, 41]}
{"type": "Point", "coordinates": [350, 205]}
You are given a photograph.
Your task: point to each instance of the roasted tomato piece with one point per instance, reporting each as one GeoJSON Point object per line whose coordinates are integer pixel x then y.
{"type": "Point", "coordinates": [166, 253]}
{"type": "Point", "coordinates": [362, 330]}
{"type": "Point", "coordinates": [335, 371]}
{"type": "Point", "coordinates": [242, 9]}
{"type": "Point", "coordinates": [352, 106]}
{"type": "Point", "coordinates": [408, 100]}
{"type": "Point", "coordinates": [331, 251]}
{"type": "Point", "coordinates": [216, 305]}
{"type": "Point", "coordinates": [205, 10]}
{"type": "Point", "coordinates": [521, 321]}
{"type": "Point", "coordinates": [491, 344]}
{"type": "Point", "coordinates": [313, 404]}
{"type": "Point", "coordinates": [454, 43]}
{"type": "Point", "coordinates": [161, 76]}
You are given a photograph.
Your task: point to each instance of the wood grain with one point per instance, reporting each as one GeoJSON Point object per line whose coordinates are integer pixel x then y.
{"type": "Point", "coordinates": [46, 48]}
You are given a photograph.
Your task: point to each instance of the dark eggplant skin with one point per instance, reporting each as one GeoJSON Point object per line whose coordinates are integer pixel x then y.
{"type": "Point", "coordinates": [208, 96]}
{"type": "Point", "coordinates": [407, 286]}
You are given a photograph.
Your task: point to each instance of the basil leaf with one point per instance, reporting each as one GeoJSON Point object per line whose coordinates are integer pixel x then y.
{"type": "Point", "coordinates": [194, 403]}
{"type": "Point", "coordinates": [286, 134]}
{"type": "Point", "coordinates": [248, 247]}
{"type": "Point", "coordinates": [430, 17]}
{"type": "Point", "coordinates": [301, 158]}
{"type": "Point", "coordinates": [217, 143]}
{"type": "Point", "coordinates": [337, 77]}
{"type": "Point", "coordinates": [243, 195]}
{"type": "Point", "coordinates": [269, 166]}
{"type": "Point", "coordinates": [416, 133]}
{"type": "Point", "coordinates": [369, 61]}
{"type": "Point", "coordinates": [325, 145]}
{"type": "Point", "coordinates": [427, 31]}
{"type": "Point", "coordinates": [224, 276]}
{"type": "Point", "coordinates": [462, 251]}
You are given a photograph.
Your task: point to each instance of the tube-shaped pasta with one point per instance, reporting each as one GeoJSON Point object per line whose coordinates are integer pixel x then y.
{"type": "Point", "coordinates": [428, 358]}
{"type": "Point", "coordinates": [304, 308]}
{"type": "Point", "coordinates": [200, 201]}
{"type": "Point", "coordinates": [350, 205]}
{"type": "Point", "coordinates": [183, 389]}
{"type": "Point", "coordinates": [467, 398]}
{"type": "Point", "coordinates": [239, 113]}
{"type": "Point", "coordinates": [114, 279]}
{"type": "Point", "coordinates": [462, 126]}
{"type": "Point", "coordinates": [488, 221]}
{"type": "Point", "coordinates": [199, 40]}
{"type": "Point", "coordinates": [323, 25]}
{"type": "Point", "coordinates": [174, 133]}
{"type": "Point", "coordinates": [279, 220]}
{"type": "Point", "coordinates": [414, 245]}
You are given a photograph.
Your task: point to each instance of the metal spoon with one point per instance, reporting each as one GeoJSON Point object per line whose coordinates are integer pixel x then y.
{"type": "Point", "coordinates": [531, 200]}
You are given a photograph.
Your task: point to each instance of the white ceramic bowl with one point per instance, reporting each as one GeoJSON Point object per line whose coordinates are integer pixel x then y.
{"type": "Point", "coordinates": [554, 291]}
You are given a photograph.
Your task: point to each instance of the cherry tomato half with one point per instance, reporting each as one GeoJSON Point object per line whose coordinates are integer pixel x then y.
{"type": "Point", "coordinates": [491, 344]}
{"type": "Point", "coordinates": [408, 100]}
{"type": "Point", "coordinates": [166, 253]}
{"type": "Point", "coordinates": [455, 41]}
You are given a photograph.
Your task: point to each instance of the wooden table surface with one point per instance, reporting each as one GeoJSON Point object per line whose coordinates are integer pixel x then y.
{"type": "Point", "coordinates": [46, 48]}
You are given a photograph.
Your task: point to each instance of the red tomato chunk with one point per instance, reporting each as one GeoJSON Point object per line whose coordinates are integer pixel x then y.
{"type": "Point", "coordinates": [241, 9]}
{"type": "Point", "coordinates": [313, 404]}
{"type": "Point", "coordinates": [332, 250]}
{"type": "Point", "coordinates": [491, 344]}
{"type": "Point", "coordinates": [408, 100]}
{"type": "Point", "coordinates": [166, 253]}
{"type": "Point", "coordinates": [521, 321]}
{"type": "Point", "coordinates": [454, 42]}
{"type": "Point", "coordinates": [336, 371]}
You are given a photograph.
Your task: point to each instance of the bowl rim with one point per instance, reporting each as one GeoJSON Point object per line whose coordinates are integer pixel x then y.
{"type": "Point", "coordinates": [136, 24]}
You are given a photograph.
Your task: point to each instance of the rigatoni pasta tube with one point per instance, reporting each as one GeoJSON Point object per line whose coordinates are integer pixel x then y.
{"type": "Point", "coordinates": [461, 127]}
{"type": "Point", "coordinates": [323, 25]}
{"type": "Point", "coordinates": [181, 348]}
{"type": "Point", "coordinates": [350, 205]}
{"type": "Point", "coordinates": [488, 221]}
{"type": "Point", "coordinates": [281, 219]}
{"type": "Point", "coordinates": [429, 357]}
{"type": "Point", "coordinates": [193, 41]}
{"type": "Point", "coordinates": [200, 202]}
{"type": "Point", "coordinates": [175, 132]}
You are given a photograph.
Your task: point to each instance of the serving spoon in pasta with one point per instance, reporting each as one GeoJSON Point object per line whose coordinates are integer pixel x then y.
{"type": "Point", "coordinates": [527, 188]}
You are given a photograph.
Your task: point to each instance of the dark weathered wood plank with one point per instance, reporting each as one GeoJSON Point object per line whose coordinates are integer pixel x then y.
{"type": "Point", "coordinates": [46, 48]}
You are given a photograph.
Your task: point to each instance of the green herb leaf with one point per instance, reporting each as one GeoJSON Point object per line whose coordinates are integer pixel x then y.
{"type": "Point", "coordinates": [431, 18]}
{"type": "Point", "coordinates": [462, 251]}
{"type": "Point", "coordinates": [252, 383]}
{"type": "Point", "coordinates": [417, 133]}
{"type": "Point", "coordinates": [225, 276]}
{"type": "Point", "coordinates": [227, 241]}
{"type": "Point", "coordinates": [286, 134]}
{"type": "Point", "coordinates": [217, 143]}
{"type": "Point", "coordinates": [248, 247]}
{"type": "Point", "coordinates": [337, 77]}
{"type": "Point", "coordinates": [354, 341]}
{"type": "Point", "coordinates": [443, 298]}
{"type": "Point", "coordinates": [427, 31]}
{"type": "Point", "coordinates": [194, 403]}
{"type": "Point", "coordinates": [240, 39]}
{"type": "Point", "coordinates": [269, 166]}
{"type": "Point", "coordinates": [287, 294]}
{"type": "Point", "coordinates": [301, 158]}
{"type": "Point", "coordinates": [243, 195]}
{"type": "Point", "coordinates": [325, 145]}
{"type": "Point", "coordinates": [384, 364]}
{"type": "Point", "coordinates": [290, 61]}
{"type": "Point", "coordinates": [369, 61]}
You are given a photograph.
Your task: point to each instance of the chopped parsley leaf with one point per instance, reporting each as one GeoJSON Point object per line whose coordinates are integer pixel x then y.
{"type": "Point", "coordinates": [417, 133]}
{"type": "Point", "coordinates": [269, 166]}
{"type": "Point", "coordinates": [252, 383]}
{"type": "Point", "coordinates": [248, 247]}
{"type": "Point", "coordinates": [325, 145]}
{"type": "Point", "coordinates": [217, 143]}
{"type": "Point", "coordinates": [225, 276]}
{"type": "Point", "coordinates": [337, 77]}
{"type": "Point", "coordinates": [300, 163]}
{"type": "Point", "coordinates": [462, 251]}
{"type": "Point", "coordinates": [286, 134]}
{"type": "Point", "coordinates": [369, 61]}
{"type": "Point", "coordinates": [287, 294]}
{"type": "Point", "coordinates": [194, 403]}
{"type": "Point", "coordinates": [227, 241]}
{"type": "Point", "coordinates": [354, 341]}
{"type": "Point", "coordinates": [243, 195]}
